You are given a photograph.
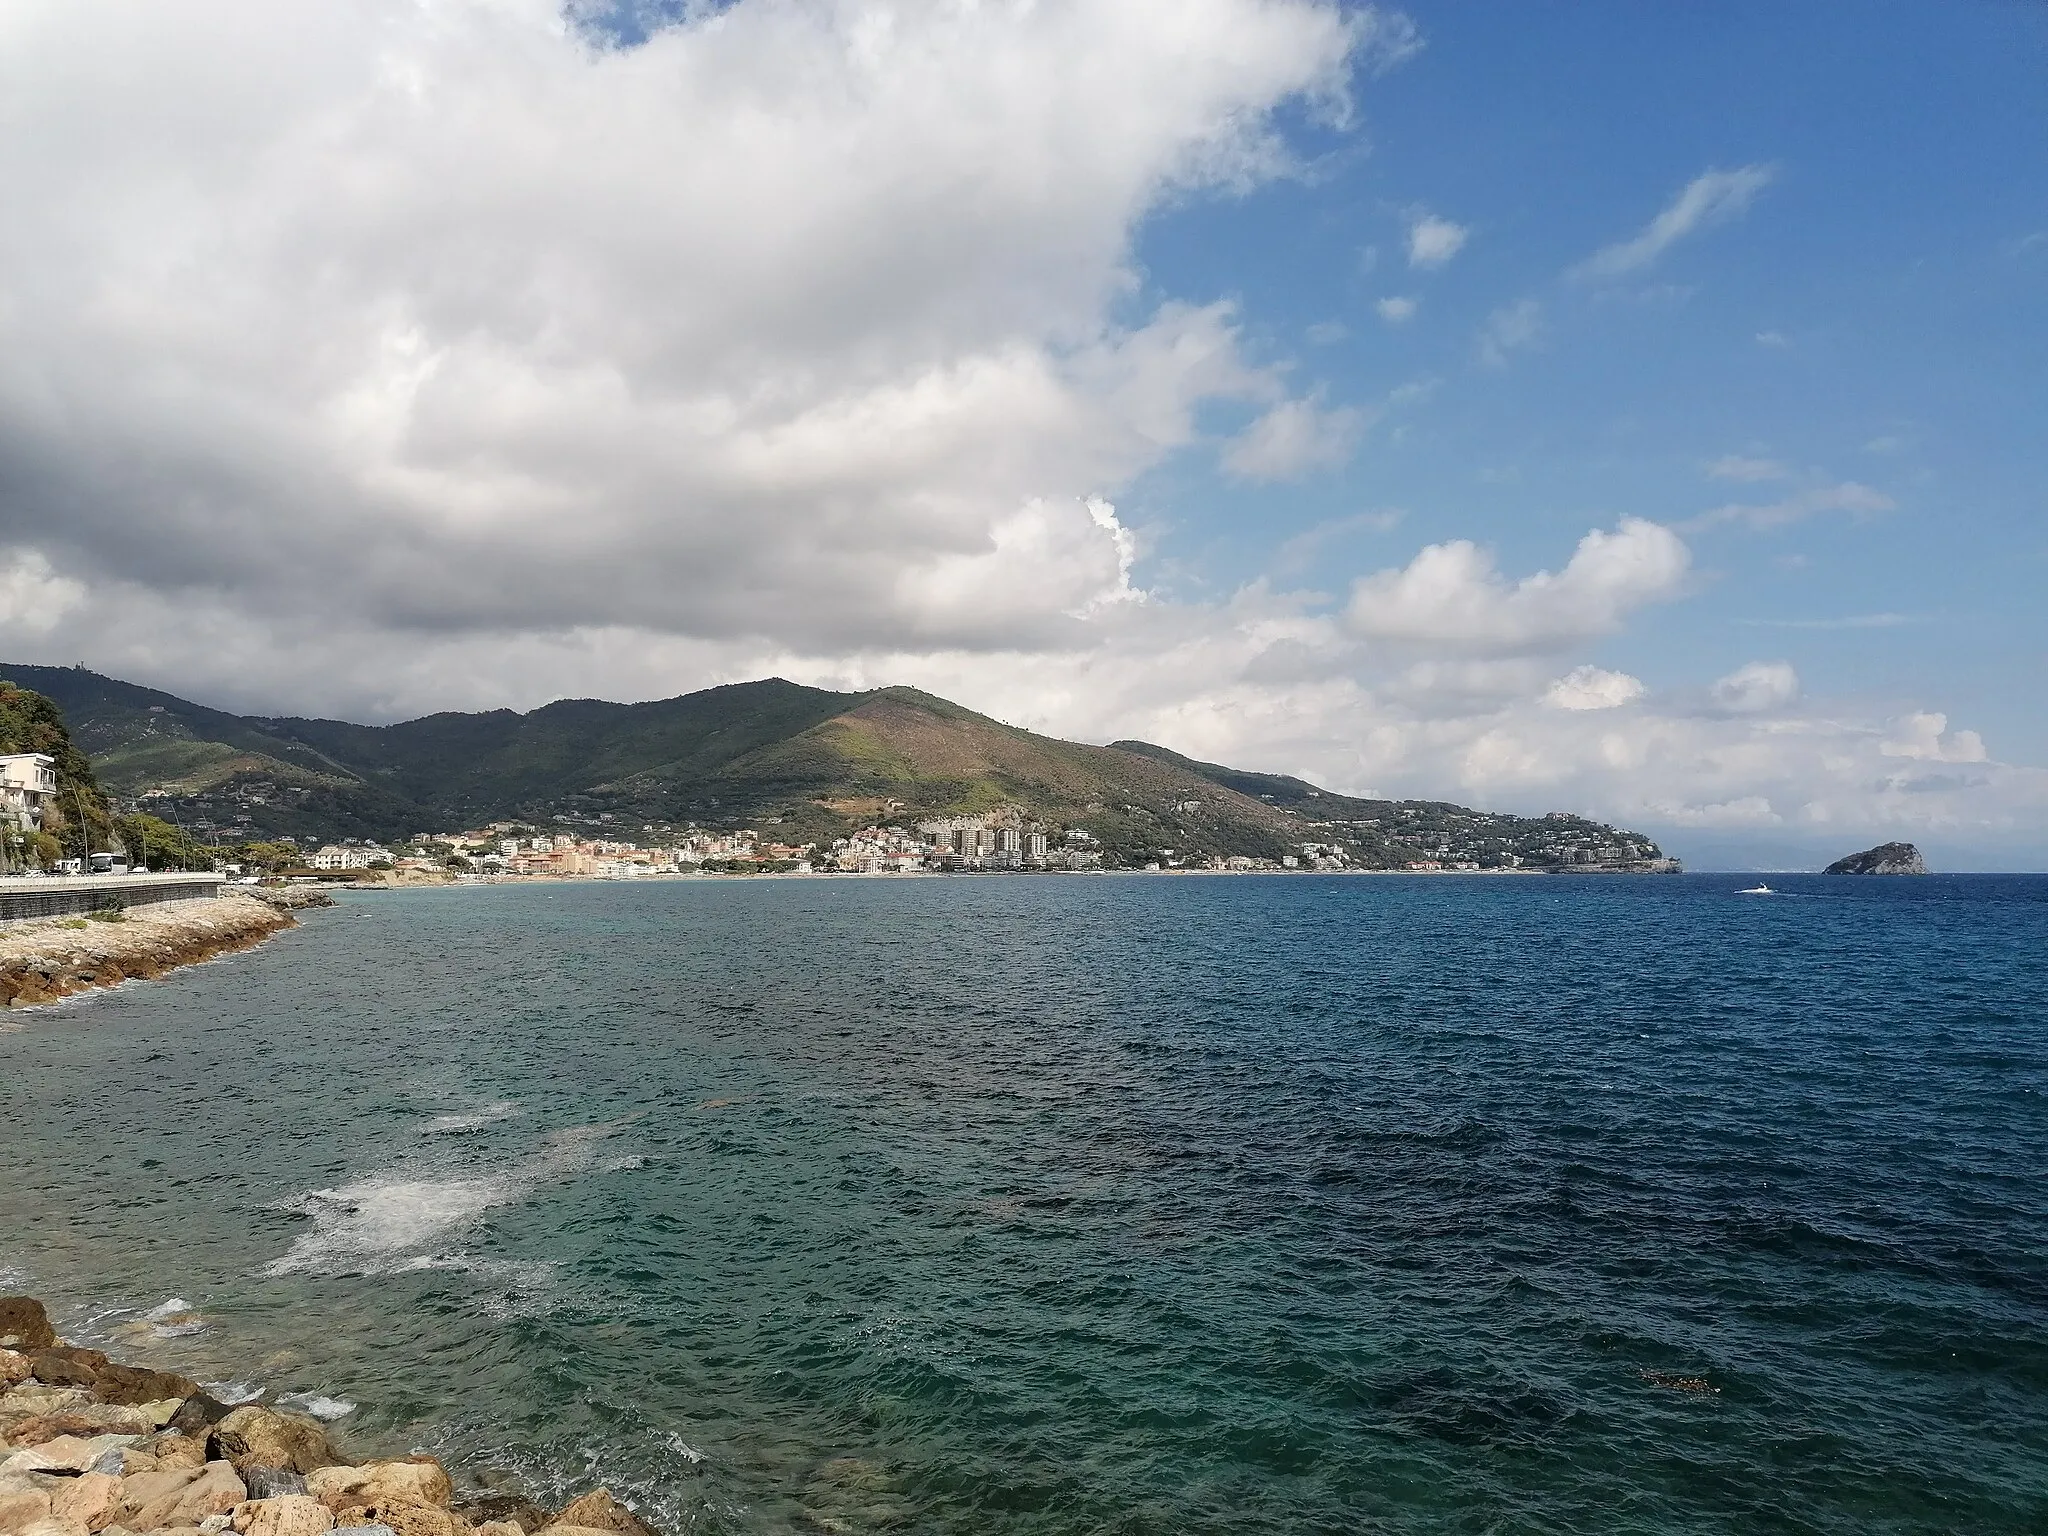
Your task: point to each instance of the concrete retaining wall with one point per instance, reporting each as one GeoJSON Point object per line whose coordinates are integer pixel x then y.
{"type": "Point", "coordinates": [75, 895]}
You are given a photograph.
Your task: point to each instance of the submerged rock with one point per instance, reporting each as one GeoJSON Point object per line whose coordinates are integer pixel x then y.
{"type": "Point", "coordinates": [1884, 859]}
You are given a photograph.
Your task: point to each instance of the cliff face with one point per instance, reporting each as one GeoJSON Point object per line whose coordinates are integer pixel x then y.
{"type": "Point", "coordinates": [1885, 859]}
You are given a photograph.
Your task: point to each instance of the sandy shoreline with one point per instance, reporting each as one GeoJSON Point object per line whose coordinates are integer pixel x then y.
{"type": "Point", "coordinates": [89, 1447]}
{"type": "Point", "coordinates": [45, 959]}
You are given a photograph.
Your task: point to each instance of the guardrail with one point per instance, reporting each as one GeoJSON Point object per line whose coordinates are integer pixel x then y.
{"type": "Point", "coordinates": [72, 895]}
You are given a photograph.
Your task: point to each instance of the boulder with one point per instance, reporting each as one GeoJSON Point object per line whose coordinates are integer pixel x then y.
{"type": "Point", "coordinates": [198, 1413]}
{"type": "Point", "coordinates": [85, 1420]}
{"type": "Point", "coordinates": [500, 1528]}
{"type": "Point", "coordinates": [416, 1480]}
{"type": "Point", "coordinates": [558, 1529]}
{"type": "Point", "coordinates": [92, 1498]}
{"type": "Point", "coordinates": [273, 1482]}
{"type": "Point", "coordinates": [404, 1519]}
{"type": "Point", "coordinates": [132, 1387]}
{"type": "Point", "coordinates": [55, 1525]}
{"type": "Point", "coordinates": [172, 1449]}
{"type": "Point", "coordinates": [598, 1510]}
{"type": "Point", "coordinates": [263, 1437]}
{"type": "Point", "coordinates": [14, 1367]}
{"type": "Point", "coordinates": [289, 1514]}
{"type": "Point", "coordinates": [184, 1496]}
{"type": "Point", "coordinates": [491, 1510]}
{"type": "Point", "coordinates": [1884, 859]}
{"type": "Point", "coordinates": [23, 1501]}
{"type": "Point", "coordinates": [24, 1325]}
{"type": "Point", "coordinates": [67, 1367]}
{"type": "Point", "coordinates": [64, 1453]}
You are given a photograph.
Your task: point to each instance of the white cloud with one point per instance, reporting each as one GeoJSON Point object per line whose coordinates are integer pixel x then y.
{"type": "Point", "coordinates": [1760, 685]}
{"type": "Point", "coordinates": [1510, 328]}
{"type": "Point", "coordinates": [1452, 594]}
{"type": "Point", "coordinates": [1772, 339]}
{"type": "Point", "coordinates": [790, 324]}
{"type": "Point", "coordinates": [1432, 241]}
{"type": "Point", "coordinates": [1594, 688]}
{"type": "Point", "coordinates": [1926, 736]}
{"type": "Point", "coordinates": [1713, 197]}
{"type": "Point", "coordinates": [1396, 309]}
{"type": "Point", "coordinates": [1293, 438]}
{"type": "Point", "coordinates": [1848, 496]}
{"type": "Point", "coordinates": [33, 598]}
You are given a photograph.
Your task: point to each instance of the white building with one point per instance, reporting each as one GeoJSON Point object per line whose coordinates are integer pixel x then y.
{"type": "Point", "coordinates": [333, 856]}
{"type": "Point", "coordinates": [28, 782]}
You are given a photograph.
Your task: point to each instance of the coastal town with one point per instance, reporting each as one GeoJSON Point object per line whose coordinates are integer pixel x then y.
{"type": "Point", "coordinates": [999, 841]}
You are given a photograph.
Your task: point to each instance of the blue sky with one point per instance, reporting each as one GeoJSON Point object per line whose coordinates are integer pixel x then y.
{"type": "Point", "coordinates": [1878, 315]}
{"type": "Point", "coordinates": [1630, 408]}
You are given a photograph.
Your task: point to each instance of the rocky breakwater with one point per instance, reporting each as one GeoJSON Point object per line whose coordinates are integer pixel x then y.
{"type": "Point", "coordinates": [48, 958]}
{"type": "Point", "coordinates": [92, 1448]}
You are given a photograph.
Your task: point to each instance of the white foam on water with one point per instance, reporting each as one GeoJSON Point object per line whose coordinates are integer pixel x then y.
{"type": "Point", "coordinates": [170, 1308]}
{"type": "Point", "coordinates": [326, 1409]}
{"type": "Point", "coordinates": [462, 1122]}
{"type": "Point", "coordinates": [403, 1219]}
{"type": "Point", "coordinates": [233, 1393]}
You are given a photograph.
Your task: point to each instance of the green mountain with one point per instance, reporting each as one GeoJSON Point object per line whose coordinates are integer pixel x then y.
{"type": "Point", "coordinates": [773, 754]}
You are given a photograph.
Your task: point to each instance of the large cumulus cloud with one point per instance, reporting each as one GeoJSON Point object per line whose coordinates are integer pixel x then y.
{"type": "Point", "coordinates": [378, 356]}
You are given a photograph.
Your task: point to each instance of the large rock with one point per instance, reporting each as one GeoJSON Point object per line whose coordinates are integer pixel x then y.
{"type": "Point", "coordinates": [198, 1413]}
{"type": "Point", "coordinates": [274, 1483]}
{"type": "Point", "coordinates": [263, 1437]}
{"type": "Point", "coordinates": [55, 1525]}
{"type": "Point", "coordinates": [133, 1387]}
{"type": "Point", "coordinates": [416, 1480]}
{"type": "Point", "coordinates": [127, 1385]}
{"type": "Point", "coordinates": [599, 1511]}
{"type": "Point", "coordinates": [291, 1514]}
{"type": "Point", "coordinates": [186, 1496]}
{"type": "Point", "coordinates": [67, 1367]}
{"type": "Point", "coordinates": [1884, 859]}
{"type": "Point", "coordinates": [15, 1367]}
{"type": "Point", "coordinates": [172, 1449]}
{"type": "Point", "coordinates": [23, 1501]}
{"type": "Point", "coordinates": [87, 1419]}
{"type": "Point", "coordinates": [24, 1325]}
{"type": "Point", "coordinates": [66, 1453]}
{"type": "Point", "coordinates": [404, 1519]}
{"type": "Point", "coordinates": [504, 1509]}
{"type": "Point", "coordinates": [91, 1498]}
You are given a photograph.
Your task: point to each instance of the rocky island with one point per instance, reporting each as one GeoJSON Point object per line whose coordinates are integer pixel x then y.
{"type": "Point", "coordinates": [92, 1448]}
{"type": "Point", "coordinates": [1884, 859]}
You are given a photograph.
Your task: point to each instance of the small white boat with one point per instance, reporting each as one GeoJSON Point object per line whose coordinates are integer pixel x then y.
{"type": "Point", "coordinates": [1759, 889]}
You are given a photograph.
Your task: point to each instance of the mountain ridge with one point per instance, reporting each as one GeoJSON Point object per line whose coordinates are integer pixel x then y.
{"type": "Point", "coordinates": [811, 761]}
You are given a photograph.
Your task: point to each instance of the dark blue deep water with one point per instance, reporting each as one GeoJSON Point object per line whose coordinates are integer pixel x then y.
{"type": "Point", "coordinates": [1134, 1205]}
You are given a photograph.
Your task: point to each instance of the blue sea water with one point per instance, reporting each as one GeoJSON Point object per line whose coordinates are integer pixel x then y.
{"type": "Point", "coordinates": [1133, 1205]}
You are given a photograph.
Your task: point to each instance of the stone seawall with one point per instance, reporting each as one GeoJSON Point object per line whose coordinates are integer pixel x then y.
{"type": "Point", "coordinates": [44, 960]}
{"type": "Point", "coordinates": [92, 1448]}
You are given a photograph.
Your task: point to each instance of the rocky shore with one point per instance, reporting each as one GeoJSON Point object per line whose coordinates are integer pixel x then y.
{"type": "Point", "coordinates": [48, 958]}
{"type": "Point", "coordinates": [92, 1448]}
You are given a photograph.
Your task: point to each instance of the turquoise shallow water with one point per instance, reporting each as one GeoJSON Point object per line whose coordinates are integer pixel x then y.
{"type": "Point", "coordinates": [1101, 1205]}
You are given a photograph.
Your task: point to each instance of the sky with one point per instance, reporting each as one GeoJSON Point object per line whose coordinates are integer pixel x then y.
{"type": "Point", "coordinates": [1631, 409]}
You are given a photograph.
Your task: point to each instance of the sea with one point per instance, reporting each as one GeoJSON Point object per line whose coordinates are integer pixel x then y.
{"type": "Point", "coordinates": [1118, 1204]}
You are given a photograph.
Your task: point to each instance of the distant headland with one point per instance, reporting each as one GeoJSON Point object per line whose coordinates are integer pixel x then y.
{"type": "Point", "coordinates": [747, 777]}
{"type": "Point", "coordinates": [1884, 859]}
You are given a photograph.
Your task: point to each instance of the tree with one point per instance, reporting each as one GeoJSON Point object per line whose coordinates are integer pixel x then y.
{"type": "Point", "coordinates": [153, 841]}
